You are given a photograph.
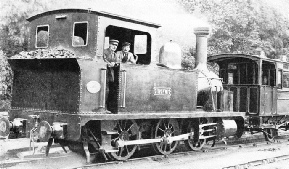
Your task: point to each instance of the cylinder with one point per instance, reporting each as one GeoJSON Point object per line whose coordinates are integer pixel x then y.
{"type": "Point", "coordinates": [229, 128]}
{"type": "Point", "coordinates": [201, 48]}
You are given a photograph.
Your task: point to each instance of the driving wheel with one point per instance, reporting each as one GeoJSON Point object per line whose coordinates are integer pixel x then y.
{"type": "Point", "coordinates": [127, 130]}
{"type": "Point", "coordinates": [193, 142]}
{"type": "Point", "coordinates": [165, 129]}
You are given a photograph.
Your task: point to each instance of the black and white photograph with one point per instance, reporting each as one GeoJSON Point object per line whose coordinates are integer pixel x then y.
{"type": "Point", "coordinates": [144, 84]}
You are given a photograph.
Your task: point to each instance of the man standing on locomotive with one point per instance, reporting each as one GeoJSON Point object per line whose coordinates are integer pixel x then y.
{"type": "Point", "coordinates": [109, 54]}
{"type": "Point", "coordinates": [124, 55]}
{"type": "Point", "coordinates": [111, 58]}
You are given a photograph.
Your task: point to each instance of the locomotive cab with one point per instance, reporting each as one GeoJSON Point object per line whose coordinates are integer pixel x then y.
{"type": "Point", "coordinates": [140, 47]}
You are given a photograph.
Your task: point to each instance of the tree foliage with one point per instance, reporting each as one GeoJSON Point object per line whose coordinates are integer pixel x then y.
{"type": "Point", "coordinates": [14, 37]}
{"type": "Point", "coordinates": [240, 26]}
{"type": "Point", "coordinates": [13, 25]}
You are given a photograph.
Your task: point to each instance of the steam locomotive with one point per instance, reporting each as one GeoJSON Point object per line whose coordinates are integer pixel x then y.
{"type": "Point", "coordinates": [60, 83]}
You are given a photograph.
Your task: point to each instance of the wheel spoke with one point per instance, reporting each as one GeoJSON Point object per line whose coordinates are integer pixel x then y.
{"type": "Point", "coordinates": [119, 126]}
{"type": "Point", "coordinates": [120, 152]}
{"type": "Point", "coordinates": [125, 122]}
{"type": "Point", "coordinates": [126, 147]}
{"type": "Point", "coordinates": [161, 129]}
{"type": "Point", "coordinates": [165, 149]}
{"type": "Point", "coordinates": [130, 127]}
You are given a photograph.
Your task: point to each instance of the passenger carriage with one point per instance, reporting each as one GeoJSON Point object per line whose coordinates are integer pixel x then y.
{"type": "Point", "coordinates": [259, 86]}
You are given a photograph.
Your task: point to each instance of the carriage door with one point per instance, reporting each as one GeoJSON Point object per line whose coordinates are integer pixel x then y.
{"type": "Point", "coordinates": [268, 89]}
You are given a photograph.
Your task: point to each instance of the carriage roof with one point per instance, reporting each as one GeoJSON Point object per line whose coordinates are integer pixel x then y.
{"type": "Point", "coordinates": [221, 57]}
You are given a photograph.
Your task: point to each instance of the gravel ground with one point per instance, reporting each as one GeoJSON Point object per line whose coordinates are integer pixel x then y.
{"type": "Point", "coordinates": [209, 160]}
{"type": "Point", "coordinates": [204, 160]}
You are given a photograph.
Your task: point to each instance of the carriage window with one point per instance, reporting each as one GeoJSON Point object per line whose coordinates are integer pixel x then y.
{"type": "Point", "coordinates": [285, 79]}
{"type": "Point", "coordinates": [268, 77]}
{"type": "Point", "coordinates": [80, 34]}
{"type": "Point", "coordinates": [268, 74]}
{"type": "Point", "coordinates": [233, 75]}
{"type": "Point", "coordinates": [279, 79]}
{"type": "Point", "coordinates": [230, 78]}
{"type": "Point", "coordinates": [265, 77]}
{"type": "Point", "coordinates": [272, 77]}
{"type": "Point", "coordinates": [243, 74]}
{"type": "Point", "coordinates": [42, 36]}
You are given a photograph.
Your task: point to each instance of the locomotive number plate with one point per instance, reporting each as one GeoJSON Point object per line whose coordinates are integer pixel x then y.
{"type": "Point", "coordinates": [162, 91]}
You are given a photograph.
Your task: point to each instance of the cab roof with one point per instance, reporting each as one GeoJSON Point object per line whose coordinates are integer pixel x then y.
{"type": "Point", "coordinates": [99, 13]}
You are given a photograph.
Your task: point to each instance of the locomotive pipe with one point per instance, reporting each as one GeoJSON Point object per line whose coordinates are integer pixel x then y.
{"type": "Point", "coordinates": [201, 48]}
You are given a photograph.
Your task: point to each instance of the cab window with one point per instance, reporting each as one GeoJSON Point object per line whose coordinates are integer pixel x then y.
{"type": "Point", "coordinates": [80, 34]}
{"type": "Point", "coordinates": [140, 42]}
{"type": "Point", "coordinates": [42, 36]}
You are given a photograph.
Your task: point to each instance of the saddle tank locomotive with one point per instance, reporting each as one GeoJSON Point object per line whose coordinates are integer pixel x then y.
{"type": "Point", "coordinates": [60, 84]}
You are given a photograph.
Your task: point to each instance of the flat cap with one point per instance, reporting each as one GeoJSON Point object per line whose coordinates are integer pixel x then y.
{"type": "Point", "coordinates": [114, 41]}
{"type": "Point", "coordinates": [126, 44]}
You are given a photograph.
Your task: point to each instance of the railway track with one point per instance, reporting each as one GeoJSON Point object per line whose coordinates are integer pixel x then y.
{"type": "Point", "coordinates": [246, 142]}
{"type": "Point", "coordinates": [258, 162]}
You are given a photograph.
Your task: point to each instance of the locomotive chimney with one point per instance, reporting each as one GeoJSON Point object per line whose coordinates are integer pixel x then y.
{"type": "Point", "coordinates": [201, 48]}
